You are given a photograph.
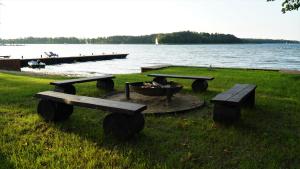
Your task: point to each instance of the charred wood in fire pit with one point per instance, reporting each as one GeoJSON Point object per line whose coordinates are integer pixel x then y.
{"type": "Point", "coordinates": [160, 80]}
{"type": "Point", "coordinates": [156, 89]}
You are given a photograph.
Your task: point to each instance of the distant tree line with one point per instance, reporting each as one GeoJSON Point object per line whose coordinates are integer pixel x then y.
{"type": "Point", "coordinates": [268, 41]}
{"type": "Point", "coordinates": [185, 37]}
{"type": "Point", "coordinates": [147, 39]}
{"type": "Point", "coordinates": [36, 40]}
{"type": "Point", "coordinates": [188, 37]}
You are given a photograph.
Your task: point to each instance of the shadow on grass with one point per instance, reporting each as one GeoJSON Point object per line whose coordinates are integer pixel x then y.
{"type": "Point", "coordinates": [5, 163]}
{"type": "Point", "coordinates": [295, 77]}
{"type": "Point", "coordinates": [88, 125]}
{"type": "Point", "coordinates": [264, 119]}
{"type": "Point", "coordinates": [142, 147]}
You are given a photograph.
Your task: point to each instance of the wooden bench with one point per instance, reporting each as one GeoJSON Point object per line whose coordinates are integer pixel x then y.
{"type": "Point", "coordinates": [125, 120]}
{"type": "Point", "coordinates": [66, 86]}
{"type": "Point", "coordinates": [227, 105]}
{"type": "Point", "coordinates": [199, 84]}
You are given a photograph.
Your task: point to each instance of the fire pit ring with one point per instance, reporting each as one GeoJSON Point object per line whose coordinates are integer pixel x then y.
{"type": "Point", "coordinates": [156, 89]}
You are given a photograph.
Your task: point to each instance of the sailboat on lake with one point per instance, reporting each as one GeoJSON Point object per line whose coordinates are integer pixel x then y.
{"type": "Point", "coordinates": [156, 41]}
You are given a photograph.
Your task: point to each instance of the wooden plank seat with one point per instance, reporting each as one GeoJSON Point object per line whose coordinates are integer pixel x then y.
{"type": "Point", "coordinates": [66, 86]}
{"type": "Point", "coordinates": [227, 105]}
{"type": "Point", "coordinates": [199, 84]}
{"type": "Point", "coordinates": [125, 119]}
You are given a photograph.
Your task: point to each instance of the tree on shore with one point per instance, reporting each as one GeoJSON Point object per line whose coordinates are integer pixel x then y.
{"type": "Point", "coordinates": [289, 5]}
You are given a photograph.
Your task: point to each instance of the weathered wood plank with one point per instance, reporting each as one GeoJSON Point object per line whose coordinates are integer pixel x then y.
{"type": "Point", "coordinates": [235, 94]}
{"type": "Point", "coordinates": [238, 97]}
{"type": "Point", "coordinates": [222, 97]}
{"type": "Point", "coordinates": [82, 80]}
{"type": "Point", "coordinates": [181, 76]}
{"type": "Point", "coordinates": [230, 93]}
{"type": "Point", "coordinates": [91, 102]}
{"type": "Point", "coordinates": [236, 88]}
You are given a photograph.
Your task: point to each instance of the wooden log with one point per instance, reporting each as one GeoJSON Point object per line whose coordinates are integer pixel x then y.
{"type": "Point", "coordinates": [46, 109]}
{"type": "Point", "coordinates": [137, 122]}
{"type": "Point", "coordinates": [199, 85]}
{"type": "Point", "coordinates": [63, 111]}
{"type": "Point", "coordinates": [67, 88]}
{"type": "Point", "coordinates": [54, 111]}
{"type": "Point", "coordinates": [106, 84]}
{"type": "Point", "coordinates": [118, 126]}
{"type": "Point", "coordinates": [160, 80]}
{"type": "Point", "coordinates": [127, 90]}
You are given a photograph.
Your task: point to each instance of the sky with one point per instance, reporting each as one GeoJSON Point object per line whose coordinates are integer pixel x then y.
{"type": "Point", "coordinates": [100, 18]}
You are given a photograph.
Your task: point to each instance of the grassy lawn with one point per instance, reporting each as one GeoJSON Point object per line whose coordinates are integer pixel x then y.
{"type": "Point", "coordinates": [267, 136]}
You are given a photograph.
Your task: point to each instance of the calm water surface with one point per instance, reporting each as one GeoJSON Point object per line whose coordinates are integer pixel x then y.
{"type": "Point", "coordinates": [273, 56]}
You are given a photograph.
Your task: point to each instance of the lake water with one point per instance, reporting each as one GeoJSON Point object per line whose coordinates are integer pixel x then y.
{"type": "Point", "coordinates": [271, 56]}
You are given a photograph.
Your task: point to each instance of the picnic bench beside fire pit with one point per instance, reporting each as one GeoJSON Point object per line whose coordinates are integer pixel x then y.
{"type": "Point", "coordinates": [124, 121]}
{"type": "Point", "coordinates": [227, 105]}
{"type": "Point", "coordinates": [199, 84]}
{"type": "Point", "coordinates": [66, 86]}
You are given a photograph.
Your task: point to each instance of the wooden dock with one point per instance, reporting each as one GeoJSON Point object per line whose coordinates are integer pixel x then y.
{"type": "Point", "coordinates": [17, 64]}
{"type": "Point", "coordinates": [74, 59]}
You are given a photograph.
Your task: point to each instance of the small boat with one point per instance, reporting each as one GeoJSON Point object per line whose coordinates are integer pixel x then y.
{"type": "Point", "coordinates": [36, 64]}
{"type": "Point", "coordinates": [51, 54]}
{"type": "Point", "coordinates": [5, 57]}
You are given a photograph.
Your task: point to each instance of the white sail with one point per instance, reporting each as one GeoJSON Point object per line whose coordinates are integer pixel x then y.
{"type": "Point", "coordinates": [156, 41]}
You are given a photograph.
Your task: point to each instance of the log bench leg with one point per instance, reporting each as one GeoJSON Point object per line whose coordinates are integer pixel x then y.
{"type": "Point", "coordinates": [122, 126]}
{"type": "Point", "coordinates": [137, 122]}
{"type": "Point", "coordinates": [224, 113]}
{"type": "Point", "coordinates": [199, 85]}
{"type": "Point", "coordinates": [160, 80]}
{"type": "Point", "coordinates": [250, 102]}
{"type": "Point", "coordinates": [106, 84]}
{"type": "Point", "coordinates": [69, 89]}
{"type": "Point", "coordinates": [54, 111]}
{"type": "Point", "coordinates": [127, 90]}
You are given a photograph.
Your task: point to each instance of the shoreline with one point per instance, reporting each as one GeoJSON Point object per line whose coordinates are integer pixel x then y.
{"type": "Point", "coordinates": [151, 68]}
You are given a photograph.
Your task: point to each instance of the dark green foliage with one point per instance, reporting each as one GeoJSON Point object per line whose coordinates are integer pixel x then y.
{"type": "Point", "coordinates": [44, 40]}
{"type": "Point", "coordinates": [289, 5]}
{"type": "Point", "coordinates": [188, 37]}
{"type": "Point", "coordinates": [146, 39]}
{"type": "Point", "coordinates": [268, 41]}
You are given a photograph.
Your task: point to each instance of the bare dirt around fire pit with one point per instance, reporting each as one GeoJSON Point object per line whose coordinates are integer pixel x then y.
{"type": "Point", "coordinates": [157, 105]}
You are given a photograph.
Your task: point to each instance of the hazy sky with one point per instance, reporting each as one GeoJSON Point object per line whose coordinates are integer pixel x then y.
{"type": "Point", "coordinates": [93, 18]}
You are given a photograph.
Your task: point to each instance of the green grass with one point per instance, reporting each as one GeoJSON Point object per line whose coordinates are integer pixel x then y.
{"type": "Point", "coordinates": [266, 137]}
